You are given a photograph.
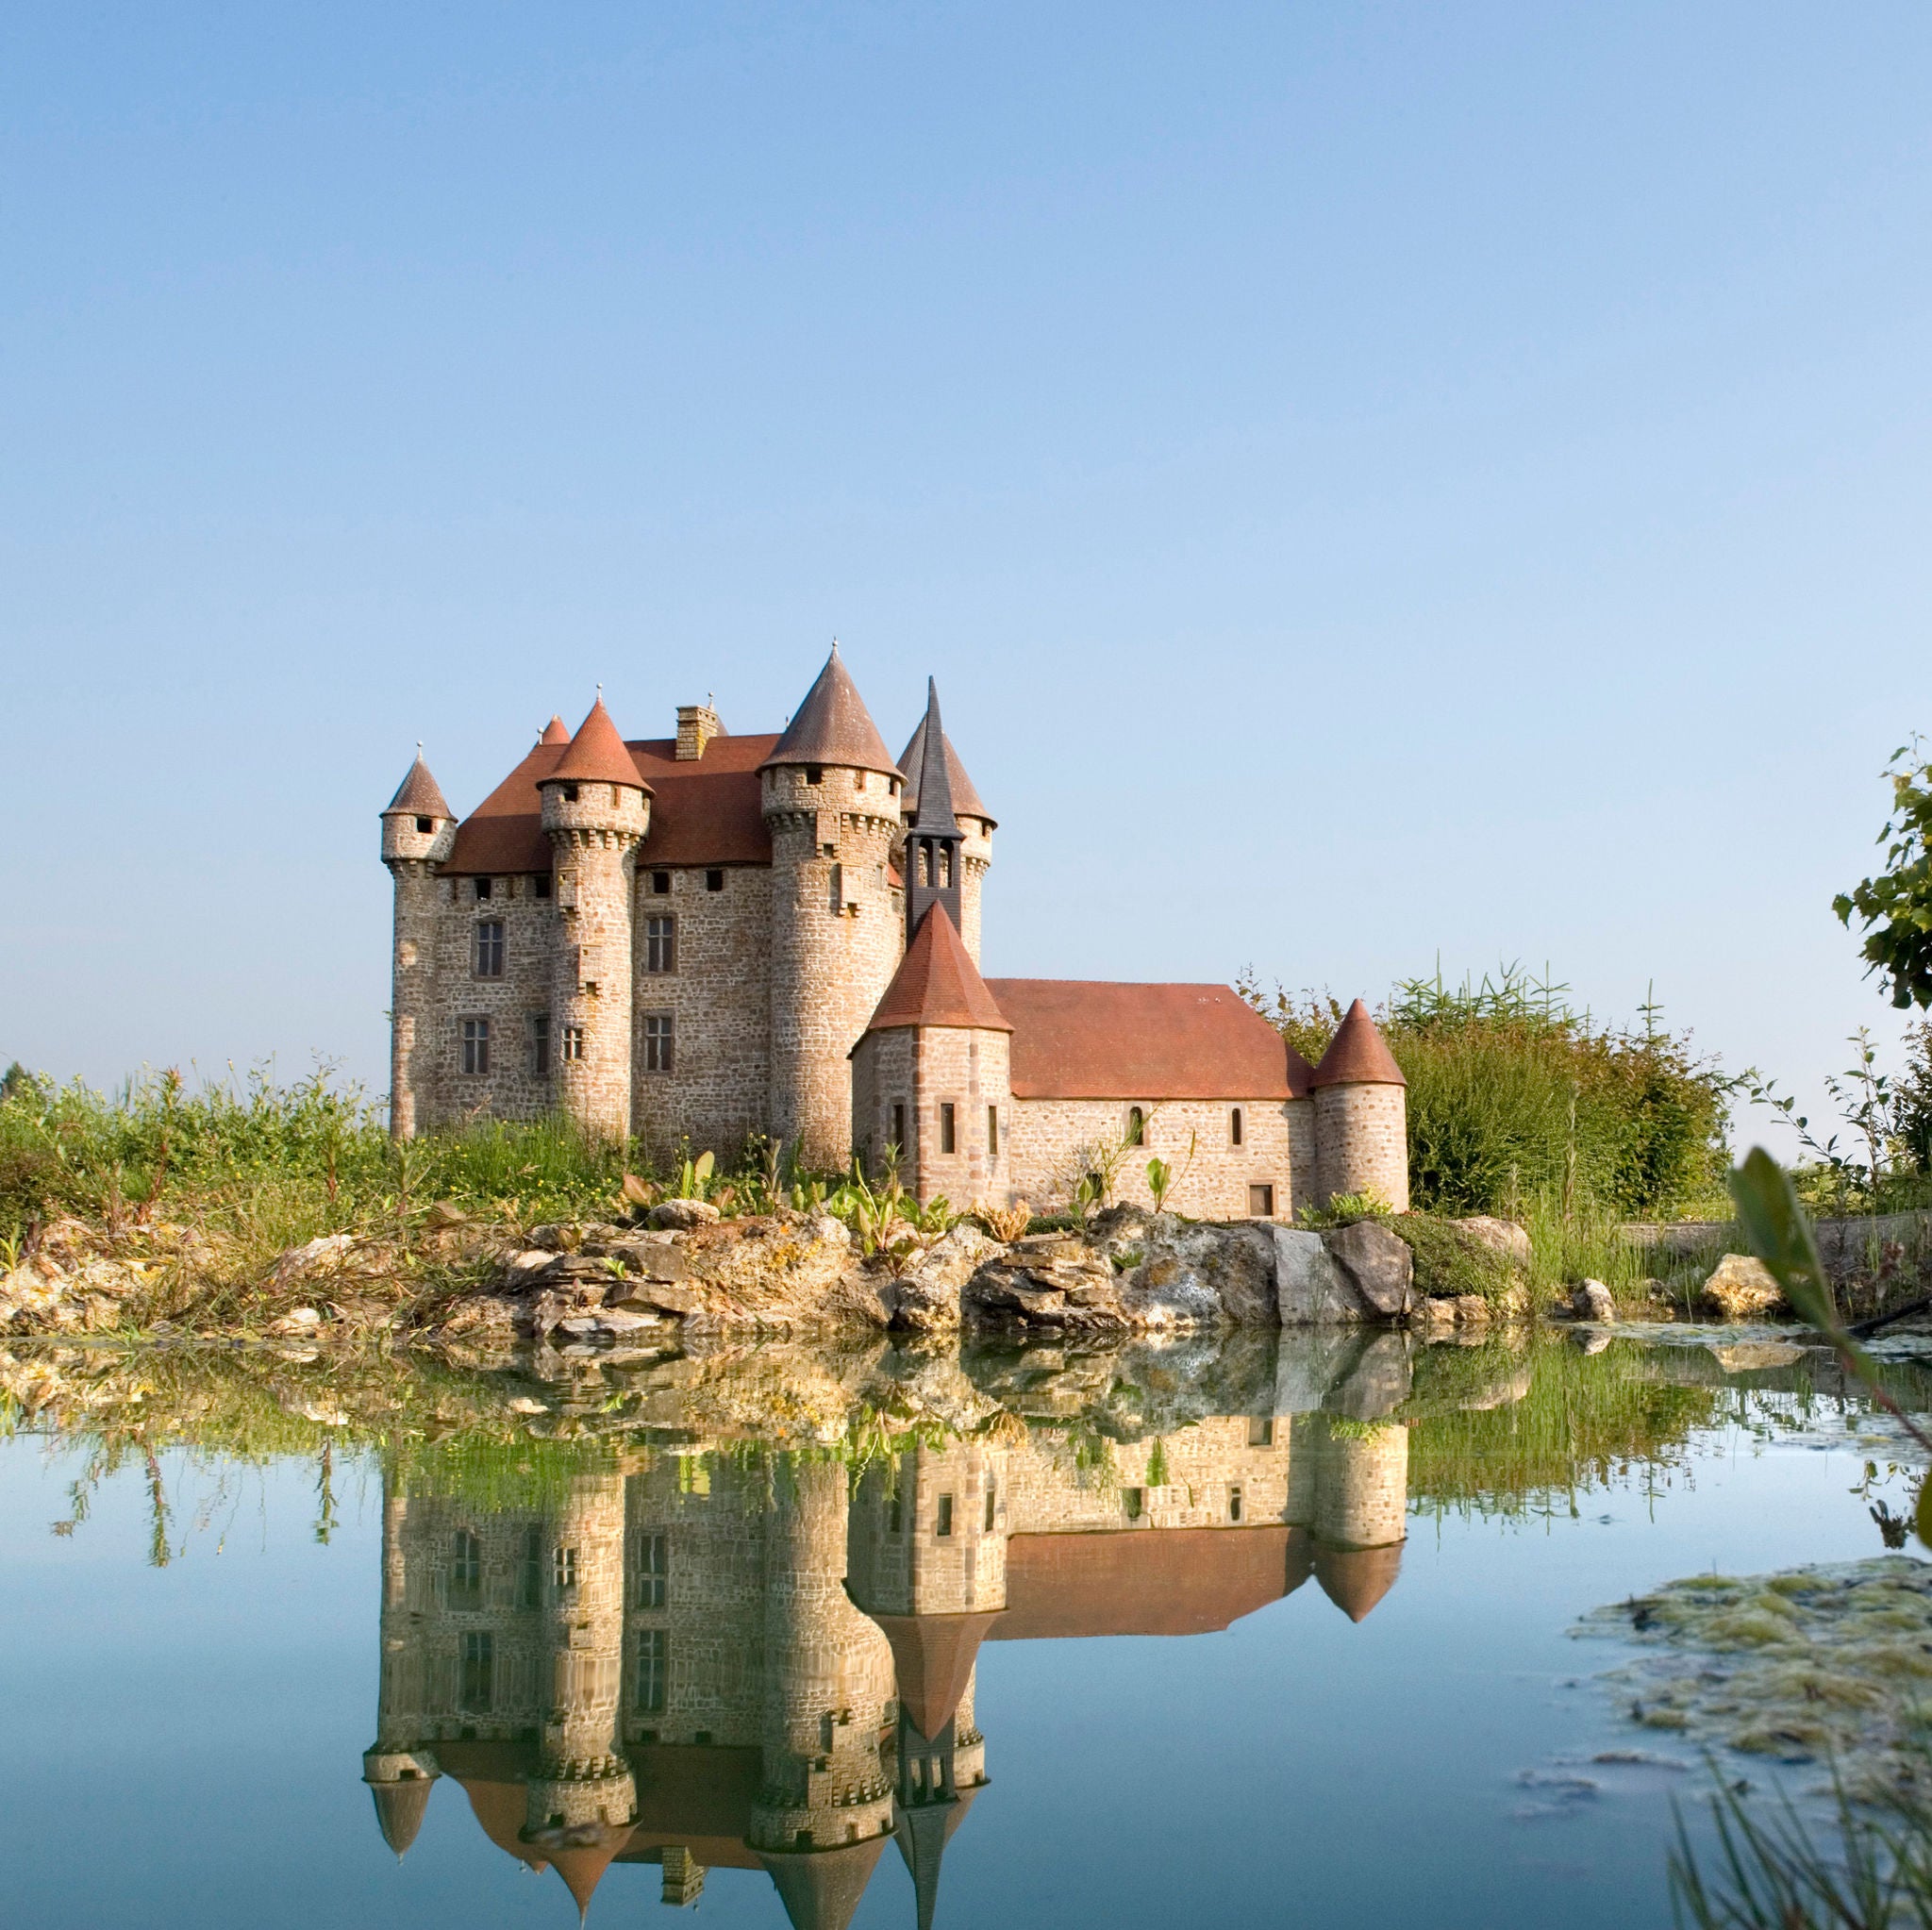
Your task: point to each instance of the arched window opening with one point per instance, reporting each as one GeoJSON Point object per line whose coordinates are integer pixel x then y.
{"type": "Point", "coordinates": [1234, 1127]}
{"type": "Point", "coordinates": [1137, 1127]}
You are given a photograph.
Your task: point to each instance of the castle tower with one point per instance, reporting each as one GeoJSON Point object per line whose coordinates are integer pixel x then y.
{"type": "Point", "coordinates": [1361, 1116]}
{"type": "Point", "coordinates": [581, 1804]}
{"type": "Point", "coordinates": [1351, 1491]}
{"type": "Point", "coordinates": [933, 1073]}
{"type": "Point", "coordinates": [596, 810]}
{"type": "Point", "coordinates": [398, 1770]}
{"type": "Point", "coordinates": [418, 832]}
{"type": "Point", "coordinates": [1302, 1176]}
{"type": "Point", "coordinates": [830, 796]}
{"type": "Point", "coordinates": [975, 823]}
{"type": "Point", "coordinates": [825, 1810]}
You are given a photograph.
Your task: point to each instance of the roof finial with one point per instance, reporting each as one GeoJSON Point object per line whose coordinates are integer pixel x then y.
{"type": "Point", "coordinates": [419, 746]}
{"type": "Point", "coordinates": [600, 693]}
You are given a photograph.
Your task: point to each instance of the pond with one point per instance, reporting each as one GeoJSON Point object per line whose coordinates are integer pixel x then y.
{"type": "Point", "coordinates": [1203, 1633]}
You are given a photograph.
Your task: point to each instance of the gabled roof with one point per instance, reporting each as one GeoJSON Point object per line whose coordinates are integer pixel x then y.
{"type": "Point", "coordinates": [596, 755]}
{"type": "Point", "coordinates": [418, 795]}
{"type": "Point", "coordinates": [1357, 1056]}
{"type": "Point", "coordinates": [937, 984]}
{"type": "Point", "coordinates": [1087, 1038]}
{"type": "Point", "coordinates": [966, 801]}
{"type": "Point", "coordinates": [833, 727]}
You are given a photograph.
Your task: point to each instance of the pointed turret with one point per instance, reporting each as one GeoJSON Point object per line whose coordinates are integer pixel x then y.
{"type": "Point", "coordinates": [833, 727]}
{"type": "Point", "coordinates": [821, 1889]}
{"type": "Point", "coordinates": [555, 732]}
{"type": "Point", "coordinates": [419, 832]}
{"type": "Point", "coordinates": [596, 755]}
{"type": "Point", "coordinates": [966, 798]}
{"type": "Point", "coordinates": [934, 866]}
{"type": "Point", "coordinates": [401, 1800]}
{"type": "Point", "coordinates": [1356, 1579]}
{"type": "Point", "coordinates": [937, 984]}
{"type": "Point", "coordinates": [418, 794]}
{"type": "Point", "coordinates": [1361, 1116]}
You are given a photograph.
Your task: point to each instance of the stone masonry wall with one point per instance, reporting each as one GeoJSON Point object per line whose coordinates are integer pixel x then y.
{"type": "Point", "coordinates": [1361, 1142]}
{"type": "Point", "coordinates": [718, 998]}
{"type": "Point", "coordinates": [923, 1068]}
{"type": "Point", "coordinates": [1202, 1468]}
{"type": "Point", "coordinates": [899, 1562]}
{"type": "Point", "coordinates": [1047, 1132]}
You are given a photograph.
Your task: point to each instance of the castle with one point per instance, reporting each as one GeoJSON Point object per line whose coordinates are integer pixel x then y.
{"type": "Point", "coordinates": [702, 1660]}
{"type": "Point", "coordinates": [707, 937]}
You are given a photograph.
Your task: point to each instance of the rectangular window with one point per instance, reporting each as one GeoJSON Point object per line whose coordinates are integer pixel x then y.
{"type": "Point", "coordinates": [465, 1570]}
{"type": "Point", "coordinates": [1261, 1202]}
{"type": "Point", "coordinates": [540, 1044]}
{"type": "Point", "coordinates": [654, 1660]}
{"type": "Point", "coordinates": [482, 888]}
{"type": "Point", "coordinates": [714, 881]}
{"type": "Point", "coordinates": [899, 1127]}
{"type": "Point", "coordinates": [424, 826]}
{"type": "Point", "coordinates": [478, 1689]}
{"type": "Point", "coordinates": [564, 1569]}
{"type": "Point", "coordinates": [657, 1042]}
{"type": "Point", "coordinates": [991, 1499]}
{"type": "Point", "coordinates": [572, 1044]}
{"type": "Point", "coordinates": [660, 884]}
{"type": "Point", "coordinates": [477, 1046]}
{"type": "Point", "coordinates": [539, 885]}
{"type": "Point", "coordinates": [1261, 1432]}
{"type": "Point", "coordinates": [489, 948]}
{"type": "Point", "coordinates": [1132, 1502]}
{"type": "Point", "coordinates": [1234, 1503]}
{"type": "Point", "coordinates": [661, 944]}
{"type": "Point", "coordinates": [530, 1570]}
{"type": "Point", "coordinates": [654, 1569]}
{"type": "Point", "coordinates": [1234, 1127]}
{"type": "Point", "coordinates": [944, 1524]}
{"type": "Point", "coordinates": [947, 1134]}
{"type": "Point", "coordinates": [838, 890]}
{"type": "Point", "coordinates": [992, 1132]}
{"type": "Point", "coordinates": [895, 1515]}
{"type": "Point", "coordinates": [814, 774]}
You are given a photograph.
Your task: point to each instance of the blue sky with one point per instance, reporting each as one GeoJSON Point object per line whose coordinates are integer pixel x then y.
{"type": "Point", "coordinates": [1372, 483]}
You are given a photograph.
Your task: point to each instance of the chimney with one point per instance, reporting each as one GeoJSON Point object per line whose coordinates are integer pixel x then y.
{"type": "Point", "coordinates": [697, 725]}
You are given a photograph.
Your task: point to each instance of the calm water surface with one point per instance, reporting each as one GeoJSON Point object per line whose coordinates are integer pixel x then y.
{"type": "Point", "coordinates": [1145, 1638]}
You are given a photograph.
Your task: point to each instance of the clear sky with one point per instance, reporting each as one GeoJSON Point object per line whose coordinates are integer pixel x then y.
{"type": "Point", "coordinates": [1373, 483]}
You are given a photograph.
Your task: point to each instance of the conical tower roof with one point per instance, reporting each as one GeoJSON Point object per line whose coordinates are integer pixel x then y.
{"type": "Point", "coordinates": [933, 1658]}
{"type": "Point", "coordinates": [821, 1889]}
{"type": "Point", "coordinates": [1355, 1580]}
{"type": "Point", "coordinates": [922, 1835]}
{"type": "Point", "coordinates": [833, 727]}
{"type": "Point", "coordinates": [399, 1809]}
{"type": "Point", "coordinates": [596, 755]}
{"type": "Point", "coordinates": [418, 795]}
{"type": "Point", "coordinates": [937, 983]}
{"type": "Point", "coordinates": [582, 1867]}
{"type": "Point", "coordinates": [966, 799]}
{"type": "Point", "coordinates": [1355, 1055]}
{"type": "Point", "coordinates": [555, 732]}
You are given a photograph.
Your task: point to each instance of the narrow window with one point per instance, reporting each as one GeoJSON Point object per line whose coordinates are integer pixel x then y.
{"type": "Point", "coordinates": [425, 826]}
{"type": "Point", "coordinates": [570, 793]}
{"type": "Point", "coordinates": [838, 890]}
{"type": "Point", "coordinates": [539, 885]}
{"type": "Point", "coordinates": [1234, 1503]}
{"type": "Point", "coordinates": [1261, 1432]}
{"type": "Point", "coordinates": [478, 1688]}
{"type": "Point", "coordinates": [991, 1498]}
{"type": "Point", "coordinates": [1261, 1202]}
{"type": "Point", "coordinates": [946, 1126]}
{"type": "Point", "coordinates": [465, 1570]}
{"type": "Point", "coordinates": [482, 888]}
{"type": "Point", "coordinates": [539, 1045]}
{"type": "Point", "coordinates": [924, 864]}
{"type": "Point", "coordinates": [1137, 1126]}
{"type": "Point", "coordinates": [945, 867]}
{"type": "Point", "coordinates": [654, 1657]}
{"type": "Point", "coordinates": [1132, 1501]}
{"type": "Point", "coordinates": [892, 786]}
{"type": "Point", "coordinates": [714, 881]}
{"type": "Point", "coordinates": [564, 1569]}
{"type": "Point", "coordinates": [657, 1043]}
{"type": "Point", "coordinates": [814, 774]}
{"type": "Point", "coordinates": [992, 1132]}
{"type": "Point", "coordinates": [895, 1515]}
{"type": "Point", "coordinates": [530, 1570]}
{"type": "Point", "coordinates": [1234, 1127]}
{"type": "Point", "coordinates": [899, 1127]}
{"type": "Point", "coordinates": [660, 884]}
{"type": "Point", "coordinates": [573, 1045]}
{"type": "Point", "coordinates": [654, 1569]}
{"type": "Point", "coordinates": [489, 948]}
{"type": "Point", "coordinates": [477, 1046]}
{"type": "Point", "coordinates": [661, 944]}
{"type": "Point", "coordinates": [944, 1525]}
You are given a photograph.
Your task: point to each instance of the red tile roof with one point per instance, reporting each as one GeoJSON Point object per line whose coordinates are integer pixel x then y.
{"type": "Point", "coordinates": [1355, 1580]}
{"type": "Point", "coordinates": [933, 1656]}
{"type": "Point", "coordinates": [1357, 1056]}
{"type": "Point", "coordinates": [596, 755]}
{"type": "Point", "coordinates": [937, 984]}
{"type": "Point", "coordinates": [418, 794]}
{"type": "Point", "coordinates": [966, 801]}
{"type": "Point", "coordinates": [833, 727]}
{"type": "Point", "coordinates": [705, 811]}
{"type": "Point", "coordinates": [555, 732]}
{"type": "Point", "coordinates": [821, 1889]}
{"type": "Point", "coordinates": [1087, 1038]}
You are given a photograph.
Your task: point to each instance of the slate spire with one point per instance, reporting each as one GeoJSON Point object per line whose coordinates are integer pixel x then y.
{"type": "Point", "coordinates": [933, 838]}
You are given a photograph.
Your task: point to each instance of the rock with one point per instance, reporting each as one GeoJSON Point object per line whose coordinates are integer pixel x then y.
{"type": "Point", "coordinates": [1747, 1357]}
{"type": "Point", "coordinates": [1500, 1236]}
{"type": "Point", "coordinates": [1310, 1289]}
{"type": "Point", "coordinates": [926, 1298]}
{"type": "Point", "coordinates": [1470, 1310]}
{"type": "Point", "coordinates": [523, 1268]}
{"type": "Point", "coordinates": [1739, 1286]}
{"type": "Point", "coordinates": [654, 1296]}
{"type": "Point", "coordinates": [297, 1321]}
{"type": "Point", "coordinates": [1193, 1274]}
{"type": "Point", "coordinates": [1378, 1264]}
{"type": "Point", "coordinates": [1591, 1301]}
{"type": "Point", "coordinates": [549, 1238]}
{"type": "Point", "coordinates": [684, 1216]}
{"type": "Point", "coordinates": [659, 1258]}
{"type": "Point", "coordinates": [1377, 1382]}
{"type": "Point", "coordinates": [319, 1256]}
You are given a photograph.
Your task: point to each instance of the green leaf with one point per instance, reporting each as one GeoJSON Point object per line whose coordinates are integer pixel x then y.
{"type": "Point", "coordinates": [1922, 1519]}
{"type": "Point", "coordinates": [1774, 1225]}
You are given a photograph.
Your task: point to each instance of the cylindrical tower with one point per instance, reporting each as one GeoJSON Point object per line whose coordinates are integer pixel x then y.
{"type": "Point", "coordinates": [831, 804]}
{"type": "Point", "coordinates": [1361, 1116]}
{"type": "Point", "coordinates": [398, 1769]}
{"type": "Point", "coordinates": [418, 832]}
{"type": "Point", "coordinates": [1302, 1176]}
{"type": "Point", "coordinates": [596, 810]}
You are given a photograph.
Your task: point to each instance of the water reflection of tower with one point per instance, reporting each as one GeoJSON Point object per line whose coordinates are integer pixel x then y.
{"type": "Point", "coordinates": [927, 1561]}
{"type": "Point", "coordinates": [1348, 1485]}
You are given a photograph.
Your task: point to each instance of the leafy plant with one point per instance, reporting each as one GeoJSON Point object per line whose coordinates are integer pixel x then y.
{"type": "Point", "coordinates": [1004, 1223]}
{"type": "Point", "coordinates": [1344, 1209]}
{"type": "Point", "coordinates": [1163, 1178]}
{"type": "Point", "coordinates": [693, 1179]}
{"type": "Point", "coordinates": [1895, 908]}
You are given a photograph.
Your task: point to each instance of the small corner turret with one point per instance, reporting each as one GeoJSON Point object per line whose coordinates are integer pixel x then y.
{"type": "Point", "coordinates": [418, 827]}
{"type": "Point", "coordinates": [1361, 1115]}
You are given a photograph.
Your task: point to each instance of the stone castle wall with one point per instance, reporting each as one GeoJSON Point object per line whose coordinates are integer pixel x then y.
{"type": "Point", "coordinates": [1202, 1468]}
{"type": "Point", "coordinates": [1361, 1142]}
{"type": "Point", "coordinates": [925, 1069]}
{"type": "Point", "coordinates": [899, 1562]}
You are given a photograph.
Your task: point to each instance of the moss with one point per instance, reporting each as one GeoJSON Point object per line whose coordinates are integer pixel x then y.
{"type": "Point", "coordinates": [1450, 1260]}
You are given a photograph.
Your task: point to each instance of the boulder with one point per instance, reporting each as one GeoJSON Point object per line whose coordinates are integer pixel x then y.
{"type": "Point", "coordinates": [1591, 1301]}
{"type": "Point", "coordinates": [659, 1258]}
{"type": "Point", "coordinates": [1740, 1288]}
{"type": "Point", "coordinates": [926, 1298]}
{"type": "Point", "coordinates": [653, 1296]}
{"type": "Point", "coordinates": [1310, 1289]}
{"type": "Point", "coordinates": [684, 1216]}
{"type": "Point", "coordinates": [1378, 1264]}
{"type": "Point", "coordinates": [1500, 1236]}
{"type": "Point", "coordinates": [1376, 1383]}
{"type": "Point", "coordinates": [1192, 1274]}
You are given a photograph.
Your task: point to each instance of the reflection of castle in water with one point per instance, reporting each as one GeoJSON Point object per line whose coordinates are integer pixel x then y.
{"type": "Point", "coordinates": [758, 1664]}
